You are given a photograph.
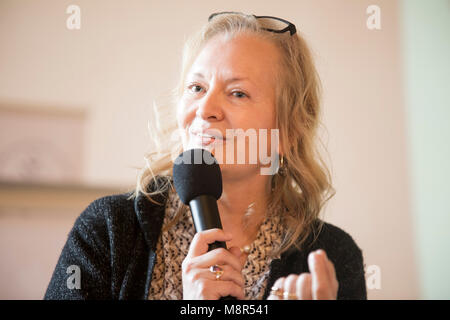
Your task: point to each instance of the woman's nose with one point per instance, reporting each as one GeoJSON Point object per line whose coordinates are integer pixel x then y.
{"type": "Point", "coordinates": [209, 107]}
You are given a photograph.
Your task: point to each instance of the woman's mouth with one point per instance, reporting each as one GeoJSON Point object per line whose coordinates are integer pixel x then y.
{"type": "Point", "coordinates": [204, 139]}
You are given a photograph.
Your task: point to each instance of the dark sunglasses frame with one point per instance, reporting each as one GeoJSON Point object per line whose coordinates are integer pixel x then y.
{"type": "Point", "coordinates": [290, 26]}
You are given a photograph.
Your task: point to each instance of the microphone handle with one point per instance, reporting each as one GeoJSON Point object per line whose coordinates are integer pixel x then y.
{"type": "Point", "coordinates": [205, 214]}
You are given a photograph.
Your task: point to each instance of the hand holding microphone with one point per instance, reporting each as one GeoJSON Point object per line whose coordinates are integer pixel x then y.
{"type": "Point", "coordinates": [209, 271]}
{"type": "Point", "coordinates": [200, 282]}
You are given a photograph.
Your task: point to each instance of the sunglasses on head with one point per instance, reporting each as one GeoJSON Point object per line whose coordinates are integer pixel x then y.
{"type": "Point", "coordinates": [290, 26]}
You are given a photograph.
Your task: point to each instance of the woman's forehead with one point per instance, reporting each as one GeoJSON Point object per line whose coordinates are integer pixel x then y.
{"type": "Point", "coordinates": [243, 58]}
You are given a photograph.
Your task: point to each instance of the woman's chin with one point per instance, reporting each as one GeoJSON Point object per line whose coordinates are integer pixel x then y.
{"type": "Point", "coordinates": [238, 171]}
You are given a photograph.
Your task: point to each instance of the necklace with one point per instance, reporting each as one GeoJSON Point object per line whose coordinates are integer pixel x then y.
{"type": "Point", "coordinates": [246, 249]}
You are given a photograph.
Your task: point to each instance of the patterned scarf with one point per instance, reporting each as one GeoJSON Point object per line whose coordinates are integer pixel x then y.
{"type": "Point", "coordinates": [173, 246]}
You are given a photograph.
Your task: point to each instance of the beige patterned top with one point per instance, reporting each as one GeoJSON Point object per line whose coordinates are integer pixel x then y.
{"type": "Point", "coordinates": [173, 246]}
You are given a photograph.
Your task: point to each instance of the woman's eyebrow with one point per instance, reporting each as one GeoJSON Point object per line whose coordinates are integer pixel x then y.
{"type": "Point", "coordinates": [234, 79]}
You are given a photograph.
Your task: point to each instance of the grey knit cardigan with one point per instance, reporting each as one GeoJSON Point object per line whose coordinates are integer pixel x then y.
{"type": "Point", "coordinates": [113, 242]}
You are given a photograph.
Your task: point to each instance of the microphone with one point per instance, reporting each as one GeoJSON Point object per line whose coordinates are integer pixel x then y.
{"type": "Point", "coordinates": [198, 181]}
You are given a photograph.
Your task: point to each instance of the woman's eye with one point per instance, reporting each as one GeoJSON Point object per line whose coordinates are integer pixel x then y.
{"type": "Point", "coordinates": [239, 94]}
{"type": "Point", "coordinates": [194, 88]}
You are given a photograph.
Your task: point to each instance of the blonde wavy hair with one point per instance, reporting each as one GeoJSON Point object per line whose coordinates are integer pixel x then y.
{"type": "Point", "coordinates": [304, 186]}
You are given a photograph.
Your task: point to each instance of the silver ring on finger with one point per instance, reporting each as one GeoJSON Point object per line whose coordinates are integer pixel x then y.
{"type": "Point", "coordinates": [277, 292]}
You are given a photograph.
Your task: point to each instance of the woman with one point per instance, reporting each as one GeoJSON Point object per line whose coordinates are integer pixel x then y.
{"type": "Point", "coordinates": [239, 72]}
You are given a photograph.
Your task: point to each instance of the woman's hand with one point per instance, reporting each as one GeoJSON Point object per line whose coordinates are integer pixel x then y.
{"type": "Point", "coordinates": [199, 282]}
{"type": "Point", "coordinates": [320, 284]}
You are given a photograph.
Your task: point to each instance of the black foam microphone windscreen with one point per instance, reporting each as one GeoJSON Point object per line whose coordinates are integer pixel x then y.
{"type": "Point", "coordinates": [196, 172]}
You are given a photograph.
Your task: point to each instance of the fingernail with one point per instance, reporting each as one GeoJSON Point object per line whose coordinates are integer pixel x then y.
{"type": "Point", "coordinates": [320, 252]}
{"type": "Point", "coordinates": [323, 253]}
{"type": "Point", "coordinates": [316, 257]}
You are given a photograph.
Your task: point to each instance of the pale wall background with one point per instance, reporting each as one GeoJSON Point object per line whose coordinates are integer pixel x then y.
{"type": "Point", "coordinates": [127, 54]}
{"type": "Point", "coordinates": [426, 49]}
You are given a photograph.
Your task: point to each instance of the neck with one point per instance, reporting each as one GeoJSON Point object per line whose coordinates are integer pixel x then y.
{"type": "Point", "coordinates": [236, 197]}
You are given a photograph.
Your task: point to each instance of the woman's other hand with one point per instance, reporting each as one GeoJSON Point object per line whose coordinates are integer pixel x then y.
{"type": "Point", "coordinates": [320, 284]}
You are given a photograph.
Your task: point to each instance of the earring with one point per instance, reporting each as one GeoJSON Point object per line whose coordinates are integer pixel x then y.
{"type": "Point", "coordinates": [282, 168]}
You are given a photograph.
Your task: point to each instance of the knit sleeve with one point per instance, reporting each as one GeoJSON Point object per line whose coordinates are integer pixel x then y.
{"type": "Point", "coordinates": [350, 270]}
{"type": "Point", "coordinates": [82, 271]}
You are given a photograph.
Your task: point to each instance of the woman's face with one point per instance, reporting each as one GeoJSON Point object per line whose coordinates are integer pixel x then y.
{"type": "Point", "coordinates": [231, 85]}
